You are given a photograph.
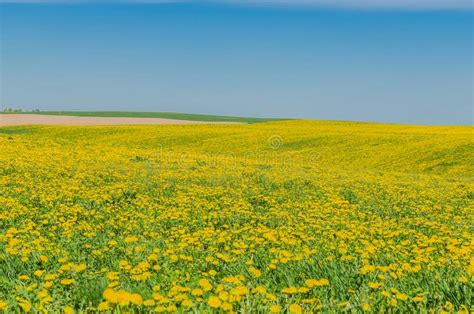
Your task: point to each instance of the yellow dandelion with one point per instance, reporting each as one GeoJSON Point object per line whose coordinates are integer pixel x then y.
{"type": "Point", "coordinates": [295, 308]}
{"type": "Point", "coordinates": [214, 302]}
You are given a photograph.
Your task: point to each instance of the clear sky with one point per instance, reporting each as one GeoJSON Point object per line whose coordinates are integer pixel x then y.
{"type": "Point", "coordinates": [389, 61]}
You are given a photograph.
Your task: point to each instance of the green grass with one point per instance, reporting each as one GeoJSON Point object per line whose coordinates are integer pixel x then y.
{"type": "Point", "coordinates": [165, 115]}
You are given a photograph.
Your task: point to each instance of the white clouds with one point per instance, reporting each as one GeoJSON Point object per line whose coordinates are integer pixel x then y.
{"type": "Point", "coordinates": [357, 4]}
{"type": "Point", "coordinates": [375, 4]}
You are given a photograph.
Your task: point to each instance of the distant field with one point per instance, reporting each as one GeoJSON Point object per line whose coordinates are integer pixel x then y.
{"type": "Point", "coordinates": [38, 119]}
{"type": "Point", "coordinates": [164, 115]}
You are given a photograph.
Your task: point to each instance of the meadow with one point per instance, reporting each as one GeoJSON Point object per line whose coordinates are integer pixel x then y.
{"type": "Point", "coordinates": [285, 216]}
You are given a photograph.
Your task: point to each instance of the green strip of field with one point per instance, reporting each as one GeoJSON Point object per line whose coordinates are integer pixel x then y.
{"type": "Point", "coordinates": [165, 115]}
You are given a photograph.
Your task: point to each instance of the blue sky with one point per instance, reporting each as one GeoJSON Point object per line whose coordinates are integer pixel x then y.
{"type": "Point", "coordinates": [403, 61]}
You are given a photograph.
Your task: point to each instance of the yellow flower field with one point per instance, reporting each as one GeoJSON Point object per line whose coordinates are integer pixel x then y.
{"type": "Point", "coordinates": [287, 217]}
